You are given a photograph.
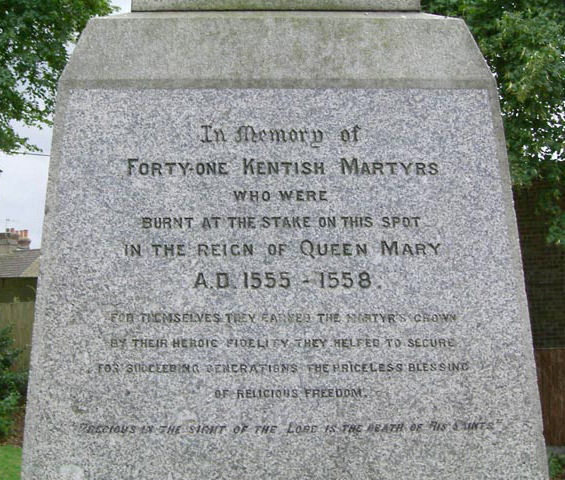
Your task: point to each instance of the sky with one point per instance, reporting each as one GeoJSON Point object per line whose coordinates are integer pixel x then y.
{"type": "Point", "coordinates": [23, 181]}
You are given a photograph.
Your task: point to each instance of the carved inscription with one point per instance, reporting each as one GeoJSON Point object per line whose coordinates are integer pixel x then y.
{"type": "Point", "coordinates": [308, 248]}
{"type": "Point", "coordinates": [298, 272]}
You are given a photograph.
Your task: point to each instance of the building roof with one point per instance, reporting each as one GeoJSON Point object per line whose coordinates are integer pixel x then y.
{"type": "Point", "coordinates": [21, 263]}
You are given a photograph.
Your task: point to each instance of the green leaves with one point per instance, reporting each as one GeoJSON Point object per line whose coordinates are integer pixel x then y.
{"type": "Point", "coordinates": [34, 37]}
{"type": "Point", "coordinates": [11, 383]}
{"type": "Point", "coordinates": [524, 44]}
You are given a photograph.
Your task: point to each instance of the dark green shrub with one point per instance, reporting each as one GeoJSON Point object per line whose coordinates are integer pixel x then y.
{"type": "Point", "coordinates": [12, 384]}
{"type": "Point", "coordinates": [8, 408]}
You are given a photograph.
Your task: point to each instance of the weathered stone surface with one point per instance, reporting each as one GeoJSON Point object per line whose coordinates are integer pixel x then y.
{"type": "Point", "coordinates": [261, 265]}
{"type": "Point", "coordinates": [277, 49]}
{"type": "Point", "coordinates": [327, 5]}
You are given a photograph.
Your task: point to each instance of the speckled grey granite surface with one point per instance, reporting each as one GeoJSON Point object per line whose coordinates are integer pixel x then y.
{"type": "Point", "coordinates": [388, 338]}
{"type": "Point", "coordinates": [329, 5]}
{"type": "Point", "coordinates": [277, 50]}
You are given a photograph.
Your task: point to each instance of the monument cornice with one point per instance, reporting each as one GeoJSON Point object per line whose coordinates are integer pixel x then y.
{"type": "Point", "coordinates": [325, 5]}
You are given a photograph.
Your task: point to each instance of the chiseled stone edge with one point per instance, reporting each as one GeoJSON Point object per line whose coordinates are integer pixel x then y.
{"type": "Point", "coordinates": [328, 5]}
{"type": "Point", "coordinates": [266, 50]}
{"type": "Point", "coordinates": [534, 410]}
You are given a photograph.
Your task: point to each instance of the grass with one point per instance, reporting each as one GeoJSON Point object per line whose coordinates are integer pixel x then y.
{"type": "Point", "coordinates": [557, 466]}
{"type": "Point", "coordinates": [10, 461]}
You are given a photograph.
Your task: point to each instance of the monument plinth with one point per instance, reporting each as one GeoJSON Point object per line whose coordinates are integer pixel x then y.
{"type": "Point", "coordinates": [325, 5]}
{"type": "Point", "coordinates": [280, 244]}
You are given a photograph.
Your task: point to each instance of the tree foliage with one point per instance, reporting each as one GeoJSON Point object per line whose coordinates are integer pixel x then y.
{"type": "Point", "coordinates": [34, 39]}
{"type": "Point", "coordinates": [524, 44]}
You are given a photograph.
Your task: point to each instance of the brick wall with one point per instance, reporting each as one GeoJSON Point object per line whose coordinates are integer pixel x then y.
{"type": "Point", "coordinates": [544, 271]}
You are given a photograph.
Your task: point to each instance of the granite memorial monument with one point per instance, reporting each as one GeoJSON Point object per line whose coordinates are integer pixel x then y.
{"type": "Point", "coordinates": [280, 244]}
